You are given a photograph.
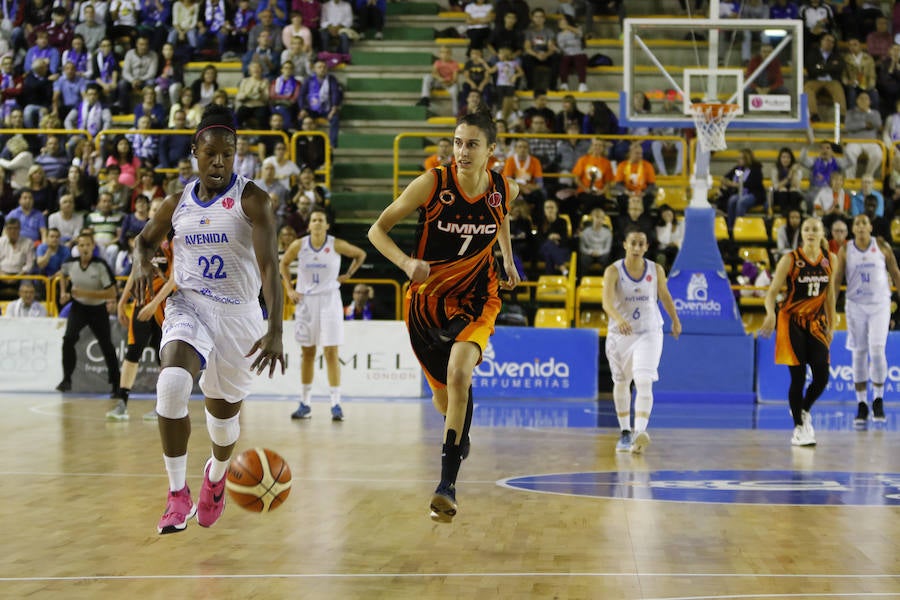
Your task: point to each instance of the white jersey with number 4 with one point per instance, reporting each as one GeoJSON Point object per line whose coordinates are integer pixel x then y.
{"type": "Point", "coordinates": [867, 277]}
{"type": "Point", "coordinates": [317, 268]}
{"type": "Point", "coordinates": [213, 246]}
{"type": "Point", "coordinates": [636, 299]}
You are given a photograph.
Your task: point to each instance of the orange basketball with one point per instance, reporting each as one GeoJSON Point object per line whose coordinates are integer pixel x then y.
{"type": "Point", "coordinates": [258, 480]}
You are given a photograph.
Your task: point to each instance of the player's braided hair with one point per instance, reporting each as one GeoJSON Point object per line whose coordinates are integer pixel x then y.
{"type": "Point", "coordinates": [216, 117]}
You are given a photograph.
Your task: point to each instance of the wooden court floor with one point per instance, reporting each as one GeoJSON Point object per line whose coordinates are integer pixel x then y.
{"type": "Point", "coordinates": [81, 498]}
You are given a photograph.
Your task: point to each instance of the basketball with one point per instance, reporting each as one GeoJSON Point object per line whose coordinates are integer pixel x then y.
{"type": "Point", "coordinates": [258, 480]}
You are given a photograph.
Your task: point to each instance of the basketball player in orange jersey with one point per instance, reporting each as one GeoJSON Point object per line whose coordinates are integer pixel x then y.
{"type": "Point", "coordinates": [454, 296]}
{"type": "Point", "coordinates": [805, 322]}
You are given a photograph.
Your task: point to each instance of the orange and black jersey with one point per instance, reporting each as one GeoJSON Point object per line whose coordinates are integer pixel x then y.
{"type": "Point", "coordinates": [807, 287]}
{"type": "Point", "coordinates": [456, 234]}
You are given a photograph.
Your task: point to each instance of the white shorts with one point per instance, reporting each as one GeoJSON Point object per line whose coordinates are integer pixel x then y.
{"type": "Point", "coordinates": [636, 354]}
{"type": "Point", "coordinates": [867, 325]}
{"type": "Point", "coordinates": [221, 335]}
{"type": "Point", "coordinates": [319, 320]}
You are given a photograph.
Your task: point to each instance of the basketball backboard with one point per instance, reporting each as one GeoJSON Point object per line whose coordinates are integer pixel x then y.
{"type": "Point", "coordinates": [707, 60]}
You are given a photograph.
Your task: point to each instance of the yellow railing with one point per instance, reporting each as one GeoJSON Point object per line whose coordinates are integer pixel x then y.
{"type": "Point", "coordinates": [49, 289]}
{"type": "Point", "coordinates": [325, 169]}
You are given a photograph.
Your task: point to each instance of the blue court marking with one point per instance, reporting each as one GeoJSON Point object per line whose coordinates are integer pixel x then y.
{"type": "Point", "coordinates": [835, 488]}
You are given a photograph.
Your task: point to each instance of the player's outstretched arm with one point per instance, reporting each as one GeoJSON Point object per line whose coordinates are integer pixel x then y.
{"type": "Point", "coordinates": [662, 290]}
{"type": "Point", "coordinates": [416, 193]}
{"type": "Point", "coordinates": [258, 209]}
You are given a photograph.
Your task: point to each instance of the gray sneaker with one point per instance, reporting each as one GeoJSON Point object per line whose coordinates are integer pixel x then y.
{"type": "Point", "coordinates": [150, 416]}
{"type": "Point", "coordinates": [118, 413]}
{"type": "Point", "coordinates": [641, 441]}
{"type": "Point", "coordinates": [624, 443]}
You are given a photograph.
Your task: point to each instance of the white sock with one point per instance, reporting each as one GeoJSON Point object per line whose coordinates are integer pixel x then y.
{"type": "Point", "coordinates": [176, 467]}
{"type": "Point", "coordinates": [862, 396]}
{"type": "Point", "coordinates": [217, 469]}
{"type": "Point", "coordinates": [643, 404]}
{"type": "Point", "coordinates": [622, 400]}
{"type": "Point", "coordinates": [878, 390]}
{"type": "Point", "coordinates": [335, 393]}
{"type": "Point", "coordinates": [305, 393]}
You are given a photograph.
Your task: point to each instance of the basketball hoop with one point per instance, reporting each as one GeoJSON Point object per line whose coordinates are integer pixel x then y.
{"type": "Point", "coordinates": [711, 119]}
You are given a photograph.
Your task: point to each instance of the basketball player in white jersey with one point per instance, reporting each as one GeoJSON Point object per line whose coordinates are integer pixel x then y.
{"type": "Point", "coordinates": [224, 250]}
{"type": "Point", "coordinates": [631, 288]}
{"type": "Point", "coordinates": [319, 316]}
{"type": "Point", "coordinates": [866, 263]}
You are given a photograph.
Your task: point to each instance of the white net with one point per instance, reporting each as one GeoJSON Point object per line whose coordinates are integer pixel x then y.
{"type": "Point", "coordinates": [711, 121]}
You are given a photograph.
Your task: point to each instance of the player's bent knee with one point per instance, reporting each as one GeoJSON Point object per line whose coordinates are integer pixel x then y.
{"type": "Point", "coordinates": [223, 432]}
{"type": "Point", "coordinates": [878, 364]}
{"type": "Point", "coordinates": [860, 365]}
{"type": "Point", "coordinates": [173, 390]}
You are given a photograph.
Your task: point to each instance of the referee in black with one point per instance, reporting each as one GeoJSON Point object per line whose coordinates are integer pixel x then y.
{"type": "Point", "coordinates": [92, 284]}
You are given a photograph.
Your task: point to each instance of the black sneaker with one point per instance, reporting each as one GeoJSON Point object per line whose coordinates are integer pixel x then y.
{"type": "Point", "coordinates": [878, 411]}
{"type": "Point", "coordinates": [862, 415]}
{"type": "Point", "coordinates": [64, 386]}
{"type": "Point", "coordinates": [443, 503]}
{"type": "Point", "coordinates": [465, 447]}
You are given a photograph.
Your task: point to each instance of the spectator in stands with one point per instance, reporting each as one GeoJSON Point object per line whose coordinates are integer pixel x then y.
{"type": "Point", "coordinates": [741, 187]}
{"type": "Point", "coordinates": [312, 13]}
{"type": "Point", "coordinates": [123, 16]}
{"type": "Point", "coordinates": [90, 29]}
{"type": "Point", "coordinates": [881, 226]}
{"type": "Point", "coordinates": [820, 169]}
{"type": "Point", "coordinates": [862, 123]}
{"type": "Point", "coordinates": [371, 15]}
{"type": "Point", "coordinates": [67, 90]}
{"type": "Point", "coordinates": [172, 147]}
{"type": "Point", "coordinates": [25, 305]}
{"type": "Point", "coordinates": [37, 93]}
{"type": "Point", "coordinates": [526, 169]}
{"type": "Point", "coordinates": [79, 56]}
{"type": "Point", "coordinates": [477, 77]}
{"type": "Point", "coordinates": [32, 222]}
{"type": "Point", "coordinates": [540, 51]}
{"type": "Point", "coordinates": [601, 120]}
{"type": "Point", "coordinates": [859, 74]}
{"type": "Point", "coordinates": [568, 113]}
{"type": "Point", "coordinates": [185, 14]}
{"type": "Point", "coordinates": [134, 222]}
{"type": "Point", "coordinates": [206, 85]}
{"type": "Point", "coordinates": [298, 214]}
{"type": "Point", "coordinates": [321, 97]}
{"type": "Point", "coordinates": [594, 178]}
{"type": "Point", "coordinates": [246, 163]}
{"type": "Point", "coordinates": [169, 77]}
{"type": "Point", "coordinates": [106, 72]}
{"type": "Point", "coordinates": [838, 237]}
{"type": "Point", "coordinates": [818, 21]}
{"type": "Point", "coordinates": [595, 242]}
{"type": "Point", "coordinates": [10, 84]}
{"type": "Point", "coordinates": [146, 145]}
{"type": "Point", "coordinates": [82, 188]}
{"type": "Point", "coordinates": [635, 177]}
{"type": "Point", "coordinates": [300, 56]}
{"type": "Point", "coordinates": [16, 256]}
{"type": "Point", "coordinates": [661, 149]}
{"type": "Point", "coordinates": [603, 7]}
{"type": "Point", "coordinates": [824, 69]}
{"type": "Point", "coordinates": [154, 22]}
{"type": "Point", "coordinates": [892, 186]}
{"type": "Point", "coordinates": [635, 216]}
{"type": "Point", "coordinates": [540, 107]}
{"type": "Point", "coordinates": [361, 307]}
{"type": "Point", "coordinates": [543, 147]}
{"type": "Point", "coordinates": [508, 34]}
{"type": "Point", "coordinates": [55, 164]}
{"type": "Point", "coordinates": [212, 29]}
{"type": "Point", "coordinates": [122, 154]}
{"type": "Point", "coordinates": [832, 202]}
{"type": "Point", "coordinates": [105, 222]}
{"type": "Point", "coordinates": [17, 166]}
{"type": "Point", "coordinates": [512, 114]}
{"type": "Point", "coordinates": [521, 230]}
{"type": "Point", "coordinates": [277, 190]}
{"type": "Point", "coordinates": [570, 41]}
{"type": "Point", "coordinates": [92, 284]}
{"type": "Point", "coordinates": [479, 17]}
{"type": "Point", "coordinates": [508, 73]}
{"type": "Point", "coordinates": [879, 42]}
{"type": "Point", "coordinates": [443, 157]}
{"type": "Point", "coordinates": [858, 200]}
{"type": "Point", "coordinates": [66, 221]}
{"type": "Point", "coordinates": [139, 69]}
{"type": "Point", "coordinates": [264, 54]}
{"type": "Point", "coordinates": [554, 240]}
{"type": "Point", "coordinates": [50, 255]}
{"type": "Point", "coordinates": [151, 109]}
{"type": "Point", "coordinates": [112, 184]}
{"type": "Point", "coordinates": [283, 94]}
{"type": "Point", "coordinates": [307, 187]}
{"type": "Point", "coordinates": [147, 186]}
{"type": "Point", "coordinates": [252, 100]}
{"type": "Point", "coordinates": [519, 8]}
{"type": "Point", "coordinates": [42, 194]}
{"type": "Point", "coordinates": [187, 104]}
{"type": "Point", "coordinates": [770, 79]}
{"type": "Point", "coordinates": [787, 237]}
{"type": "Point", "coordinates": [286, 170]}
{"type": "Point", "coordinates": [336, 26]}
{"type": "Point", "coordinates": [669, 236]}
{"type": "Point", "coordinates": [310, 149]}
{"type": "Point", "coordinates": [296, 28]}
{"type": "Point", "coordinates": [184, 176]}
{"type": "Point", "coordinates": [444, 75]}
{"type": "Point", "coordinates": [787, 177]}
{"type": "Point", "coordinates": [43, 50]}
{"type": "Point", "coordinates": [570, 149]}
{"type": "Point", "coordinates": [35, 14]}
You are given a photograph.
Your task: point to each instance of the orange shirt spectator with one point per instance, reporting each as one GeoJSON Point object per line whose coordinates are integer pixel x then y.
{"type": "Point", "coordinates": [636, 177]}
{"type": "Point", "coordinates": [443, 156]}
{"type": "Point", "coordinates": [523, 166]}
{"type": "Point", "coordinates": [593, 170]}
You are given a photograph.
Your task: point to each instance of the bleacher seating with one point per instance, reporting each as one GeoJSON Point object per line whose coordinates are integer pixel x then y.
{"type": "Point", "coordinates": [552, 318]}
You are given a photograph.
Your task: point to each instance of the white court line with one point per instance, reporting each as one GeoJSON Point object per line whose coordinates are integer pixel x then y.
{"type": "Point", "coordinates": [814, 596]}
{"type": "Point", "coordinates": [508, 575]}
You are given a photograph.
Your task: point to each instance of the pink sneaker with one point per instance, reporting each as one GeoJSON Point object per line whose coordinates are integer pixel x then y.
{"type": "Point", "coordinates": [179, 509]}
{"type": "Point", "coordinates": [212, 499]}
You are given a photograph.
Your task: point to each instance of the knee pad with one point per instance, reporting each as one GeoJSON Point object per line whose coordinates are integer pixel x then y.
{"type": "Point", "coordinates": [877, 364]}
{"type": "Point", "coordinates": [173, 390]}
{"type": "Point", "coordinates": [860, 365]}
{"type": "Point", "coordinates": [223, 432]}
{"type": "Point", "coordinates": [643, 386]}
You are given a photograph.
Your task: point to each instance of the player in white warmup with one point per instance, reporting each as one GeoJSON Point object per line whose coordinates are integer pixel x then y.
{"type": "Point", "coordinates": [319, 316]}
{"type": "Point", "coordinates": [631, 288]}
{"type": "Point", "coordinates": [224, 250]}
{"type": "Point", "coordinates": [866, 262]}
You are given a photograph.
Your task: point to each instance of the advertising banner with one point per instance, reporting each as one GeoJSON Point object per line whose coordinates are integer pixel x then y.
{"type": "Point", "coordinates": [773, 380]}
{"type": "Point", "coordinates": [522, 362]}
{"type": "Point", "coordinates": [30, 354]}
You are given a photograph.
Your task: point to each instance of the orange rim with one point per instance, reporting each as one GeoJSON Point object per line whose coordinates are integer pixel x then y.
{"type": "Point", "coordinates": [715, 109]}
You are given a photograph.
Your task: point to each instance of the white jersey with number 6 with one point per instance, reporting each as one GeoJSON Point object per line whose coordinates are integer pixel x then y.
{"type": "Point", "coordinates": [636, 299]}
{"type": "Point", "coordinates": [213, 246]}
{"type": "Point", "coordinates": [317, 268]}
